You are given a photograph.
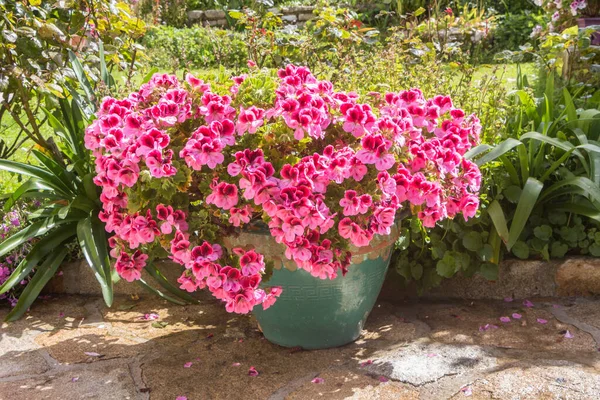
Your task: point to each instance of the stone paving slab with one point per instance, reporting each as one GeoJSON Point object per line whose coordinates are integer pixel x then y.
{"type": "Point", "coordinates": [72, 347]}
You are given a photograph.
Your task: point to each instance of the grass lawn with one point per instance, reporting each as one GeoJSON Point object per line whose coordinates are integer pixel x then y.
{"type": "Point", "coordinates": [9, 130]}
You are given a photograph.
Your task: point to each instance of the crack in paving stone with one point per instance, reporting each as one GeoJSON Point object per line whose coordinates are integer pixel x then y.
{"type": "Point", "coordinates": [290, 387]}
{"type": "Point", "coordinates": [561, 315]}
{"type": "Point", "coordinates": [136, 374]}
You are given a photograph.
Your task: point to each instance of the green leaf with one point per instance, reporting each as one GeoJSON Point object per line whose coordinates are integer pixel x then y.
{"type": "Point", "coordinates": [33, 230]}
{"type": "Point", "coordinates": [580, 209]}
{"type": "Point", "coordinates": [475, 151]}
{"type": "Point", "coordinates": [486, 253]}
{"type": "Point", "coordinates": [512, 193]}
{"type": "Point", "coordinates": [92, 240]}
{"type": "Point", "coordinates": [543, 232]}
{"type": "Point", "coordinates": [236, 14]}
{"type": "Point", "coordinates": [82, 78]}
{"type": "Point", "coordinates": [149, 75]}
{"type": "Point", "coordinates": [499, 150]}
{"type": "Point", "coordinates": [446, 267]}
{"type": "Point", "coordinates": [499, 220]}
{"type": "Point", "coordinates": [419, 11]}
{"type": "Point", "coordinates": [40, 250]}
{"type": "Point", "coordinates": [527, 202]}
{"type": "Point", "coordinates": [158, 276]}
{"type": "Point", "coordinates": [44, 176]}
{"type": "Point", "coordinates": [472, 241]}
{"type": "Point", "coordinates": [106, 77]}
{"type": "Point", "coordinates": [44, 273]}
{"type": "Point", "coordinates": [590, 189]}
{"type": "Point", "coordinates": [31, 184]}
{"type": "Point", "coordinates": [594, 249]}
{"type": "Point", "coordinates": [403, 240]}
{"type": "Point", "coordinates": [489, 271]}
{"type": "Point", "coordinates": [521, 250]}
{"type": "Point", "coordinates": [558, 249]}
{"type": "Point", "coordinates": [416, 271]}
{"type": "Point", "coordinates": [157, 292]}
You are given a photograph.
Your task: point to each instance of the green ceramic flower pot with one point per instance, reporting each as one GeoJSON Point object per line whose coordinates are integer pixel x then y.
{"type": "Point", "coordinates": [313, 313]}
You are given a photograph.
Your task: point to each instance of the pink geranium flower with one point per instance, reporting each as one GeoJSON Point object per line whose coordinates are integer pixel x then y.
{"type": "Point", "coordinates": [224, 195]}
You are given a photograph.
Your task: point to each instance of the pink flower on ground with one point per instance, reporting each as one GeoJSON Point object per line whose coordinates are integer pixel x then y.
{"type": "Point", "coordinates": [569, 335]}
{"type": "Point", "coordinates": [187, 364]}
{"type": "Point", "coordinates": [504, 319]}
{"type": "Point", "coordinates": [318, 380]}
{"type": "Point", "coordinates": [181, 398]}
{"type": "Point", "coordinates": [516, 316]}
{"type": "Point", "coordinates": [252, 371]}
{"type": "Point", "coordinates": [365, 363]}
{"type": "Point", "coordinates": [542, 321]}
{"type": "Point", "coordinates": [527, 304]}
{"type": "Point", "coordinates": [383, 379]}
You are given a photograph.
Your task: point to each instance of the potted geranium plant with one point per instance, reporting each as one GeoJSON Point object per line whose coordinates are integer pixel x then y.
{"type": "Point", "coordinates": [278, 177]}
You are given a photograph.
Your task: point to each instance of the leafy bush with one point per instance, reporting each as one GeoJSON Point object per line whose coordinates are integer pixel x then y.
{"type": "Point", "coordinates": [34, 44]}
{"type": "Point", "coordinates": [69, 202]}
{"type": "Point", "coordinates": [196, 47]}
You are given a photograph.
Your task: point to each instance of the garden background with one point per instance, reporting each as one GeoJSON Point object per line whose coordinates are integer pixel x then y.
{"type": "Point", "coordinates": [528, 69]}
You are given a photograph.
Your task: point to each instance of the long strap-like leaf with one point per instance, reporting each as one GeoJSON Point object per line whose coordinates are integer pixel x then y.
{"type": "Point", "coordinates": [44, 273]}
{"type": "Point", "coordinates": [43, 175]}
{"type": "Point", "coordinates": [157, 292]}
{"type": "Point", "coordinates": [92, 239]}
{"type": "Point", "coordinates": [34, 230]}
{"type": "Point", "coordinates": [527, 201]}
{"type": "Point", "coordinates": [41, 249]}
{"type": "Point", "coordinates": [155, 273]}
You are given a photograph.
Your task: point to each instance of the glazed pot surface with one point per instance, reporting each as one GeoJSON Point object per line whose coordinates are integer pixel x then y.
{"type": "Point", "coordinates": [315, 314]}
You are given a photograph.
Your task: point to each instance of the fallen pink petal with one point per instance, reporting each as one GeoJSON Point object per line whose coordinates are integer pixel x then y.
{"type": "Point", "coordinates": [92, 354]}
{"type": "Point", "coordinates": [150, 317]}
{"type": "Point", "coordinates": [236, 364]}
{"type": "Point", "coordinates": [542, 321]}
{"type": "Point", "coordinates": [252, 371]}
{"type": "Point", "coordinates": [569, 335]}
{"type": "Point", "coordinates": [528, 304]}
{"type": "Point", "coordinates": [365, 363]}
{"type": "Point", "coordinates": [75, 379]}
{"type": "Point", "coordinates": [508, 299]}
{"type": "Point", "coordinates": [181, 398]}
{"type": "Point", "coordinates": [467, 391]}
{"type": "Point", "coordinates": [383, 379]}
{"type": "Point", "coordinates": [505, 319]}
{"type": "Point", "coordinates": [516, 316]}
{"type": "Point", "coordinates": [187, 364]}
{"type": "Point", "coordinates": [61, 314]}
{"type": "Point", "coordinates": [318, 380]}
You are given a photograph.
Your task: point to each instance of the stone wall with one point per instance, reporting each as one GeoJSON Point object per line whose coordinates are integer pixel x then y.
{"type": "Point", "coordinates": [577, 276]}
{"type": "Point", "coordinates": [289, 15]}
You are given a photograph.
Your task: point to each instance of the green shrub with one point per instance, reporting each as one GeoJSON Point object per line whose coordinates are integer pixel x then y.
{"type": "Point", "coordinates": [195, 47]}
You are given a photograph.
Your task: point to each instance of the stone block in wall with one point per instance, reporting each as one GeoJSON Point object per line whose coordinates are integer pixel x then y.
{"type": "Point", "coordinates": [217, 22]}
{"type": "Point", "coordinates": [305, 17]}
{"type": "Point", "coordinates": [290, 19]}
{"type": "Point", "coordinates": [214, 14]}
{"type": "Point", "coordinates": [578, 277]}
{"type": "Point", "coordinates": [195, 15]}
{"type": "Point", "coordinates": [299, 9]}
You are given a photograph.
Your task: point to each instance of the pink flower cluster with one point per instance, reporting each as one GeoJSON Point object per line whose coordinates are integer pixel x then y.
{"type": "Point", "coordinates": [362, 163]}
{"type": "Point", "coordinates": [132, 135]}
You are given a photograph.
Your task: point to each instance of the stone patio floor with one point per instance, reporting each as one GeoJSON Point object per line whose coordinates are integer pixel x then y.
{"type": "Point", "coordinates": [71, 347]}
